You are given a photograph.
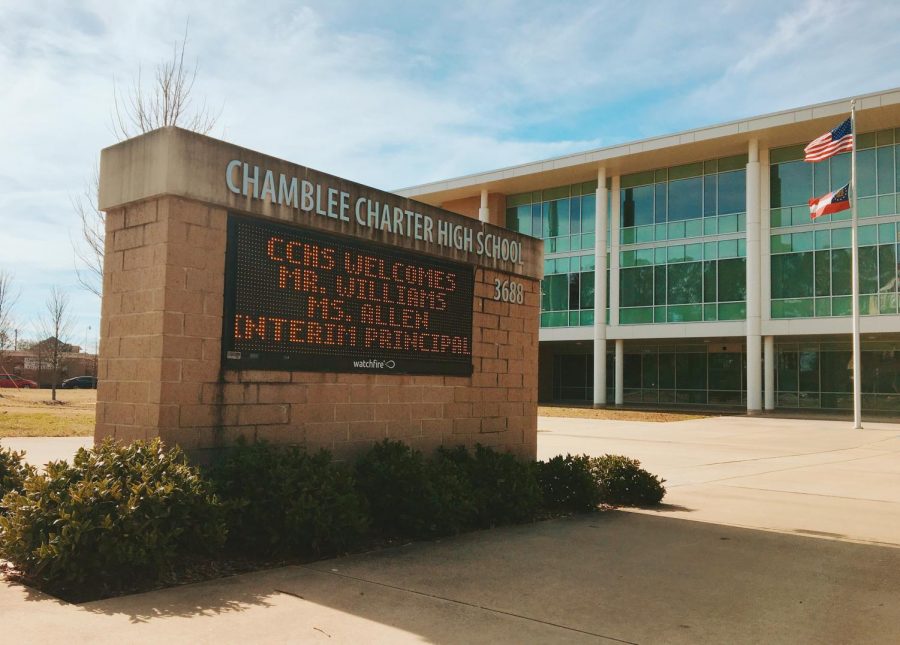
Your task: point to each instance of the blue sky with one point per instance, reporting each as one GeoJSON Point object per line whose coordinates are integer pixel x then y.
{"type": "Point", "coordinates": [398, 93]}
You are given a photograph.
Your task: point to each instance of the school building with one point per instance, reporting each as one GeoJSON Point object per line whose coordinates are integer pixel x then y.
{"type": "Point", "coordinates": [685, 269]}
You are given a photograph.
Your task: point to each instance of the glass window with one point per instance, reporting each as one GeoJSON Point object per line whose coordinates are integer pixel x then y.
{"type": "Point", "coordinates": [575, 215]}
{"type": "Point", "coordinates": [836, 371]}
{"type": "Point", "coordinates": [690, 371]}
{"type": "Point", "coordinates": [587, 290]}
{"type": "Point", "coordinates": [791, 184]}
{"type": "Point", "coordinates": [808, 362]}
{"type": "Point", "coordinates": [732, 192]}
{"type": "Point", "coordinates": [709, 281]}
{"type": "Point", "coordinates": [725, 370]}
{"type": "Point", "coordinates": [659, 285]}
{"type": "Point", "coordinates": [636, 286]}
{"type": "Point", "coordinates": [588, 213]}
{"type": "Point", "coordinates": [786, 376]}
{"type": "Point", "coordinates": [732, 280]}
{"type": "Point", "coordinates": [865, 171]}
{"type": "Point", "coordinates": [887, 268]}
{"type": "Point", "coordinates": [868, 269]}
{"type": "Point", "coordinates": [792, 275]}
{"type": "Point", "coordinates": [660, 209]}
{"type": "Point", "coordinates": [536, 229]}
{"type": "Point", "coordinates": [885, 160]}
{"type": "Point", "coordinates": [519, 219]}
{"type": "Point", "coordinates": [574, 290]}
{"type": "Point", "coordinates": [823, 273]}
{"type": "Point", "coordinates": [555, 293]}
{"type": "Point", "coordinates": [685, 283]}
{"type": "Point", "coordinates": [637, 206]}
{"type": "Point", "coordinates": [685, 198]}
{"type": "Point", "coordinates": [840, 272]}
{"type": "Point", "coordinates": [709, 195]}
{"type": "Point", "coordinates": [840, 171]}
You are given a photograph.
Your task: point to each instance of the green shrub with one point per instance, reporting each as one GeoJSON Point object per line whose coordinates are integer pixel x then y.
{"type": "Point", "coordinates": [119, 515]}
{"type": "Point", "coordinates": [504, 489]}
{"type": "Point", "coordinates": [623, 482]}
{"type": "Point", "coordinates": [410, 496]}
{"type": "Point", "coordinates": [284, 501]}
{"type": "Point", "coordinates": [13, 472]}
{"type": "Point", "coordinates": [568, 484]}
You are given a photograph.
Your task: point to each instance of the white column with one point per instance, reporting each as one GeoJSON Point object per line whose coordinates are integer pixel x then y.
{"type": "Point", "coordinates": [620, 371]}
{"type": "Point", "coordinates": [769, 344]}
{"type": "Point", "coordinates": [600, 292]}
{"type": "Point", "coordinates": [484, 213]}
{"type": "Point", "coordinates": [614, 254]}
{"type": "Point", "coordinates": [754, 340]}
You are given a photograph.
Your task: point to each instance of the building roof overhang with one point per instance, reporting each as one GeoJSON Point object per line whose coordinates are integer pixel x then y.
{"type": "Point", "coordinates": [875, 111]}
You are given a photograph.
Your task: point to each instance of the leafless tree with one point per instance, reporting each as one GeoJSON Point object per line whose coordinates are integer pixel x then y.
{"type": "Point", "coordinates": [8, 298]}
{"type": "Point", "coordinates": [89, 246]}
{"type": "Point", "coordinates": [164, 101]}
{"type": "Point", "coordinates": [56, 327]}
{"type": "Point", "coordinates": [167, 100]}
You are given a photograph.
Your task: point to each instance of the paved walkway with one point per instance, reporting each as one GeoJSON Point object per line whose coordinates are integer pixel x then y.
{"type": "Point", "coordinates": [805, 477]}
{"type": "Point", "coordinates": [633, 577]}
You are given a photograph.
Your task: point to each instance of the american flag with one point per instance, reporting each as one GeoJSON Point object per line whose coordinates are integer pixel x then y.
{"type": "Point", "coordinates": [829, 144]}
{"type": "Point", "coordinates": [833, 202]}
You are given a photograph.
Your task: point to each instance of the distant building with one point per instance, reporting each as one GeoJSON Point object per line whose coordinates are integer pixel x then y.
{"type": "Point", "coordinates": [35, 363]}
{"type": "Point", "coordinates": [719, 289]}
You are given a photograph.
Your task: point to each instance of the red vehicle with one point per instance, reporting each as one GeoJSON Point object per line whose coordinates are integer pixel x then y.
{"type": "Point", "coordinates": [11, 380]}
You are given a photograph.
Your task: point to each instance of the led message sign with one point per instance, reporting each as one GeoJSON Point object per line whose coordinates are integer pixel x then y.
{"type": "Point", "coordinates": [303, 300]}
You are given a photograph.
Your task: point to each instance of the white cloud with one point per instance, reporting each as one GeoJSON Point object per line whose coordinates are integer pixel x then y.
{"type": "Point", "coordinates": [397, 93]}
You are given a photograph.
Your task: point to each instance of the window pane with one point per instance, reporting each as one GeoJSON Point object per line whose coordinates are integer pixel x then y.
{"type": "Point", "coordinates": [575, 215]}
{"type": "Point", "coordinates": [732, 280]}
{"type": "Point", "coordinates": [685, 199]}
{"type": "Point", "coordinates": [885, 169]}
{"type": "Point", "coordinates": [660, 209]}
{"type": "Point", "coordinates": [792, 275]}
{"type": "Point", "coordinates": [868, 269]}
{"type": "Point", "coordinates": [786, 377]}
{"type": "Point", "coordinates": [836, 371]}
{"type": "Point", "coordinates": [685, 284]}
{"type": "Point", "coordinates": [587, 290]}
{"type": "Point", "coordinates": [574, 288]}
{"type": "Point", "coordinates": [636, 286]}
{"type": "Point", "coordinates": [791, 184]}
{"type": "Point", "coordinates": [649, 370]}
{"type": "Point", "coordinates": [709, 194]}
{"type": "Point", "coordinates": [555, 293]}
{"type": "Point", "coordinates": [536, 229]}
{"type": "Point", "coordinates": [840, 272]}
{"type": "Point", "coordinates": [659, 285]}
{"type": "Point", "coordinates": [865, 171]}
{"type": "Point", "coordinates": [732, 192]}
{"type": "Point", "coordinates": [823, 273]}
{"type": "Point", "coordinates": [808, 362]}
{"type": "Point", "coordinates": [725, 371]}
{"type": "Point", "coordinates": [637, 206]}
{"type": "Point", "coordinates": [690, 371]}
{"type": "Point", "coordinates": [709, 281]}
{"type": "Point", "coordinates": [840, 171]}
{"type": "Point", "coordinates": [588, 212]}
{"type": "Point", "coordinates": [887, 268]}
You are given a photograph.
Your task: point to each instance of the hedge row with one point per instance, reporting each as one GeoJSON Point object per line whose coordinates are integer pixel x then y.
{"type": "Point", "coordinates": [128, 516]}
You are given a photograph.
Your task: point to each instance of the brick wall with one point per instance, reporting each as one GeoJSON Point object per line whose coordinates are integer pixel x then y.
{"type": "Point", "coordinates": [160, 369]}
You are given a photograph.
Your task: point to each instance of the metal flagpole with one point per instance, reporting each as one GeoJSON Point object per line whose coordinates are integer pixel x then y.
{"type": "Point", "coordinates": [857, 380]}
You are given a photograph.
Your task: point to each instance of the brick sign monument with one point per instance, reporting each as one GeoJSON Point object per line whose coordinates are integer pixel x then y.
{"type": "Point", "coordinates": [247, 296]}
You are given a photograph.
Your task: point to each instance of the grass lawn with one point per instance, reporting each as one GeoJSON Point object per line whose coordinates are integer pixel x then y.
{"type": "Point", "coordinates": [31, 413]}
{"type": "Point", "coordinates": [616, 415]}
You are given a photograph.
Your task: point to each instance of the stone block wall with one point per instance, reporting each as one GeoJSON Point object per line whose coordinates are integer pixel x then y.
{"type": "Point", "coordinates": [160, 360]}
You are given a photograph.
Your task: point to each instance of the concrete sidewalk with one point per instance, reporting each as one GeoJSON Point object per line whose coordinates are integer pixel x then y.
{"type": "Point", "coordinates": [634, 577]}
{"type": "Point", "coordinates": [612, 577]}
{"type": "Point", "coordinates": [797, 476]}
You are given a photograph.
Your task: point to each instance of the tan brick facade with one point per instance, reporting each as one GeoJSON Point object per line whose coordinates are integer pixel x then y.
{"type": "Point", "coordinates": [160, 366]}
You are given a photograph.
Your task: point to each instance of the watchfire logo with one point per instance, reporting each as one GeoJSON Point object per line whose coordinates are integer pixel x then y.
{"type": "Point", "coordinates": [373, 364]}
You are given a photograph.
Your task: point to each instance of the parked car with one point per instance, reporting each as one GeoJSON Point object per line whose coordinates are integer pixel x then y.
{"type": "Point", "coordinates": [80, 383]}
{"type": "Point", "coordinates": [12, 380]}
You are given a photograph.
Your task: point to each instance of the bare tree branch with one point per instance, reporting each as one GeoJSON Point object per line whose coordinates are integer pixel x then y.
{"type": "Point", "coordinates": [89, 247]}
{"type": "Point", "coordinates": [56, 327]}
{"type": "Point", "coordinates": [8, 298]}
{"type": "Point", "coordinates": [165, 102]}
